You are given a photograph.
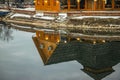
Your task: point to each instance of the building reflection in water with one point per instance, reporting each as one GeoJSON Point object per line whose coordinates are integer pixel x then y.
{"type": "Point", "coordinates": [5, 32]}
{"type": "Point", "coordinates": [97, 59]}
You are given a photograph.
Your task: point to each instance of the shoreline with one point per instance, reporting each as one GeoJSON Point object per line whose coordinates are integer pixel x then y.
{"type": "Point", "coordinates": [112, 31]}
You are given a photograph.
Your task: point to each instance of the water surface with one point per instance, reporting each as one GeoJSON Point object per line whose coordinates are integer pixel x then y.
{"type": "Point", "coordinates": [20, 60]}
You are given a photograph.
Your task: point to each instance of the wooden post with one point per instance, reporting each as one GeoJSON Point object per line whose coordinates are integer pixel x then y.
{"type": "Point", "coordinates": [113, 4]}
{"type": "Point", "coordinates": [85, 4]}
{"type": "Point", "coordinates": [95, 3]}
{"type": "Point", "coordinates": [103, 4]}
{"type": "Point", "coordinates": [57, 5]}
{"type": "Point", "coordinates": [68, 4]}
{"type": "Point", "coordinates": [78, 7]}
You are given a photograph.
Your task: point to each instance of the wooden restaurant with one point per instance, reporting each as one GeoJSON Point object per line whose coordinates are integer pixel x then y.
{"type": "Point", "coordinates": [77, 5]}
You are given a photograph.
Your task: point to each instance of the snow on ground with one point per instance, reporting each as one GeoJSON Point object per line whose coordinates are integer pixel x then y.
{"type": "Point", "coordinates": [4, 10]}
{"type": "Point", "coordinates": [41, 16]}
{"type": "Point", "coordinates": [20, 15]}
{"type": "Point", "coordinates": [30, 9]}
{"type": "Point", "coordinates": [38, 14]}
{"type": "Point", "coordinates": [46, 18]}
{"type": "Point", "coordinates": [27, 9]}
{"type": "Point", "coordinates": [104, 11]}
{"type": "Point", "coordinates": [81, 17]}
{"type": "Point", "coordinates": [63, 15]}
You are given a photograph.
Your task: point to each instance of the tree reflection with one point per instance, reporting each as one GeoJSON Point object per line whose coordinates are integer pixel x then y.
{"type": "Point", "coordinates": [5, 32]}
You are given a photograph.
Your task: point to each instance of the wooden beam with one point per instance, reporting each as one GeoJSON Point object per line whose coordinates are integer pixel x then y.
{"type": "Point", "coordinates": [95, 3]}
{"type": "Point", "coordinates": [68, 4]}
{"type": "Point", "coordinates": [103, 4]}
{"type": "Point", "coordinates": [113, 4]}
{"type": "Point", "coordinates": [85, 4]}
{"type": "Point", "coordinates": [78, 4]}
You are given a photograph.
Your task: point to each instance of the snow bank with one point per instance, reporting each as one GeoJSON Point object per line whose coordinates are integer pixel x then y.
{"type": "Point", "coordinates": [81, 17]}
{"type": "Point", "coordinates": [41, 16]}
{"type": "Point", "coordinates": [63, 15]}
{"type": "Point", "coordinates": [4, 10]}
{"type": "Point", "coordinates": [20, 15]}
{"type": "Point", "coordinates": [46, 18]}
{"type": "Point", "coordinates": [30, 9]}
{"type": "Point", "coordinates": [27, 9]}
{"type": "Point", "coordinates": [38, 14]}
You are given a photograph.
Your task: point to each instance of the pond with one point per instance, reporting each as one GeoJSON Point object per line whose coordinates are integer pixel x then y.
{"type": "Point", "coordinates": [20, 60]}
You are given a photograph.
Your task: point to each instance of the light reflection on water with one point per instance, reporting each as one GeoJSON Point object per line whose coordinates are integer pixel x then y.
{"type": "Point", "coordinates": [19, 60]}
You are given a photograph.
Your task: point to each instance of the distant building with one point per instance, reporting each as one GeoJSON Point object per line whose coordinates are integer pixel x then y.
{"type": "Point", "coordinates": [77, 5]}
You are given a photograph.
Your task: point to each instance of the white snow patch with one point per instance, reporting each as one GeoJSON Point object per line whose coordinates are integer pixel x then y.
{"type": "Point", "coordinates": [63, 15]}
{"type": "Point", "coordinates": [4, 10]}
{"type": "Point", "coordinates": [38, 14]}
{"type": "Point", "coordinates": [81, 17]}
{"type": "Point", "coordinates": [27, 9]}
{"type": "Point", "coordinates": [47, 18]}
{"type": "Point", "coordinates": [20, 15]}
{"type": "Point", "coordinates": [41, 16]}
{"type": "Point", "coordinates": [30, 9]}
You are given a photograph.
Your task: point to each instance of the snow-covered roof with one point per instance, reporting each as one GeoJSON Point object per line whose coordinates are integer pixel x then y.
{"type": "Point", "coordinates": [20, 15]}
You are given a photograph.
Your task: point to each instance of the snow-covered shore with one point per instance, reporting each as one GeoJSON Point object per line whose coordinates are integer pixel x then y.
{"type": "Point", "coordinates": [86, 24]}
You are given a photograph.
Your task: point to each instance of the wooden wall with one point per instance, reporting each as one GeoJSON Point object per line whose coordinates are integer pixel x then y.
{"type": "Point", "coordinates": [47, 5]}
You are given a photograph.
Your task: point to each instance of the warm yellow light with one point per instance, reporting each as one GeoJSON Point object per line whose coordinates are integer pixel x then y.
{"type": "Point", "coordinates": [34, 1]}
{"type": "Point", "coordinates": [103, 41]}
{"type": "Point", "coordinates": [46, 1]}
{"type": "Point", "coordinates": [46, 38]}
{"type": "Point", "coordinates": [65, 41]}
{"type": "Point", "coordinates": [94, 42]}
{"type": "Point", "coordinates": [78, 1]}
{"type": "Point", "coordinates": [58, 40]}
{"type": "Point", "coordinates": [78, 39]}
{"type": "Point", "coordinates": [57, 1]}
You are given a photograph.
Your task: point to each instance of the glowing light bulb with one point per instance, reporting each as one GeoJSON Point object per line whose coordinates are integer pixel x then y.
{"type": "Point", "coordinates": [46, 1]}
{"type": "Point", "coordinates": [65, 41]}
{"type": "Point", "coordinates": [78, 39]}
{"type": "Point", "coordinates": [58, 40]}
{"type": "Point", "coordinates": [57, 1]}
{"type": "Point", "coordinates": [94, 42]}
{"type": "Point", "coordinates": [46, 38]}
{"type": "Point", "coordinates": [103, 41]}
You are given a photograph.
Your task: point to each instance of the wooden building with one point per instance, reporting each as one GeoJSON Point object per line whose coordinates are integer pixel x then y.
{"type": "Point", "coordinates": [73, 5]}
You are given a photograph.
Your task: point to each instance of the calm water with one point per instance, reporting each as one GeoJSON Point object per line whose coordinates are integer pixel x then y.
{"type": "Point", "coordinates": [19, 60]}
